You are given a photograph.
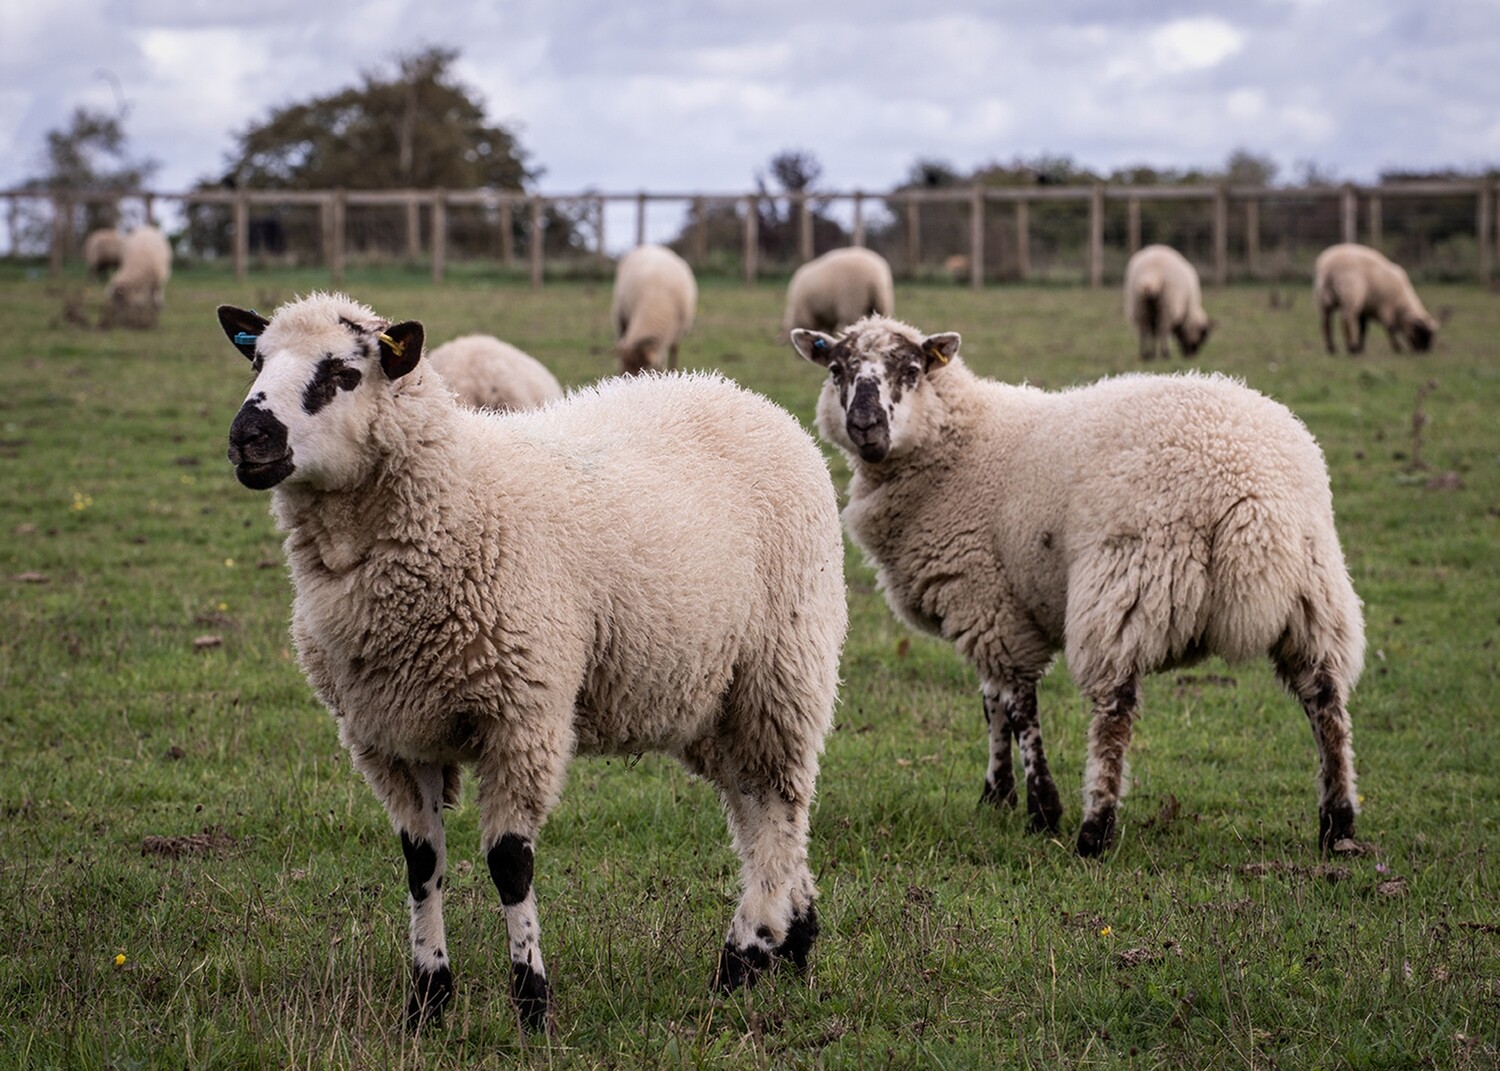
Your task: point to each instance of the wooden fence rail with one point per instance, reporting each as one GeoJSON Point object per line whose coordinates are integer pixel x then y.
{"type": "Point", "coordinates": [333, 206]}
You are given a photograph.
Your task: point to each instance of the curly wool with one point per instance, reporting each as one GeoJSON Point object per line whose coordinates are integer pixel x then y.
{"type": "Point", "coordinates": [486, 373]}
{"type": "Point", "coordinates": [837, 288]}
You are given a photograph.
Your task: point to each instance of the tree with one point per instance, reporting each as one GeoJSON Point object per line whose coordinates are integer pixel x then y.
{"type": "Point", "coordinates": [415, 126]}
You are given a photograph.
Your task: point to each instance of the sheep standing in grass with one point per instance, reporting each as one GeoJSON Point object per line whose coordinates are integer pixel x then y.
{"type": "Point", "coordinates": [486, 373]}
{"type": "Point", "coordinates": [1137, 524]}
{"type": "Point", "coordinates": [1163, 299]}
{"type": "Point", "coordinates": [1362, 284]}
{"type": "Point", "coordinates": [490, 590]}
{"type": "Point", "coordinates": [137, 290]}
{"type": "Point", "coordinates": [834, 290]}
{"type": "Point", "coordinates": [655, 300]}
{"type": "Point", "coordinates": [101, 251]}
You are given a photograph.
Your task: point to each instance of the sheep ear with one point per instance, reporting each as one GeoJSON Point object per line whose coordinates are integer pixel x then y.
{"type": "Point", "coordinates": [814, 346]}
{"type": "Point", "coordinates": [938, 350]}
{"type": "Point", "coordinates": [400, 348]}
{"type": "Point", "coordinates": [243, 326]}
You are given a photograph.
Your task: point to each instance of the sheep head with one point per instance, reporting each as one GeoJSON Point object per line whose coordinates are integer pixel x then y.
{"type": "Point", "coordinates": [323, 366]}
{"type": "Point", "coordinates": [877, 373]}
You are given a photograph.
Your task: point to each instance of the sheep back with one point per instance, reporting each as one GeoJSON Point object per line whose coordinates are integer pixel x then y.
{"type": "Point", "coordinates": [655, 300]}
{"type": "Point", "coordinates": [145, 267]}
{"type": "Point", "coordinates": [837, 288]}
{"type": "Point", "coordinates": [101, 250]}
{"type": "Point", "coordinates": [1364, 282]}
{"type": "Point", "coordinates": [486, 373]}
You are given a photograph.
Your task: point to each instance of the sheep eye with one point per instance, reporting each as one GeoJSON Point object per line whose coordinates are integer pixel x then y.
{"type": "Point", "coordinates": [909, 376]}
{"type": "Point", "coordinates": [835, 369]}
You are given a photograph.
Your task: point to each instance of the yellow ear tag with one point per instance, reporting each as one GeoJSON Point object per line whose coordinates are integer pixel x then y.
{"type": "Point", "coordinates": [398, 348]}
{"type": "Point", "coordinates": [937, 355]}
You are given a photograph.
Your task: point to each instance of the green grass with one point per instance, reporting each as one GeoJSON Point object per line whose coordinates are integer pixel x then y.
{"type": "Point", "coordinates": [1210, 937]}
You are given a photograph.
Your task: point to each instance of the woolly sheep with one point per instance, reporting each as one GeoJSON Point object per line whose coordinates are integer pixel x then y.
{"type": "Point", "coordinates": [1162, 297]}
{"type": "Point", "coordinates": [486, 373]}
{"type": "Point", "coordinates": [655, 300]}
{"type": "Point", "coordinates": [492, 590]}
{"type": "Point", "coordinates": [1139, 523]}
{"type": "Point", "coordinates": [1362, 284]}
{"type": "Point", "coordinates": [137, 290]}
{"type": "Point", "coordinates": [101, 251]}
{"type": "Point", "coordinates": [834, 290]}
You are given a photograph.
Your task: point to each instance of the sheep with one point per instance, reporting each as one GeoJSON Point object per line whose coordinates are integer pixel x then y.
{"type": "Point", "coordinates": [834, 290]}
{"type": "Point", "coordinates": [137, 290]}
{"type": "Point", "coordinates": [1162, 297]}
{"type": "Point", "coordinates": [1362, 284]}
{"type": "Point", "coordinates": [490, 590]}
{"type": "Point", "coordinates": [1137, 524]}
{"type": "Point", "coordinates": [486, 373]}
{"type": "Point", "coordinates": [655, 299]}
{"type": "Point", "coordinates": [101, 251]}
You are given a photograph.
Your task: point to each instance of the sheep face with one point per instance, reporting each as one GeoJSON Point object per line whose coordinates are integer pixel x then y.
{"type": "Point", "coordinates": [1192, 334]}
{"type": "Point", "coordinates": [876, 375]}
{"type": "Point", "coordinates": [1420, 331]}
{"type": "Point", "coordinates": [310, 414]}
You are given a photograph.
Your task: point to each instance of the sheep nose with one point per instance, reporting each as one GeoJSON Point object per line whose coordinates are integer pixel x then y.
{"type": "Point", "coordinates": [256, 436]}
{"type": "Point", "coordinates": [865, 411]}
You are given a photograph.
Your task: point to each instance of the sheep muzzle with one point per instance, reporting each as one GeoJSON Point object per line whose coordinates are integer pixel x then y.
{"type": "Point", "coordinates": [258, 448]}
{"type": "Point", "coordinates": [869, 430]}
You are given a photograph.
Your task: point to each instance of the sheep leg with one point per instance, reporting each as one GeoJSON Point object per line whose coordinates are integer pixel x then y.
{"type": "Point", "coordinates": [1103, 778]}
{"type": "Point", "coordinates": [1323, 698]}
{"type": "Point", "coordinates": [1147, 339]}
{"type": "Point", "coordinates": [515, 791]}
{"type": "Point", "coordinates": [1328, 329]}
{"type": "Point", "coordinates": [776, 917]}
{"type": "Point", "coordinates": [1000, 778]}
{"type": "Point", "coordinates": [1016, 708]}
{"type": "Point", "coordinates": [1395, 337]}
{"type": "Point", "coordinates": [1354, 336]}
{"type": "Point", "coordinates": [413, 795]}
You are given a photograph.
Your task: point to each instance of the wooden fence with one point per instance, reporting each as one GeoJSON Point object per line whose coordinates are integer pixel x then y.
{"type": "Point", "coordinates": [526, 213]}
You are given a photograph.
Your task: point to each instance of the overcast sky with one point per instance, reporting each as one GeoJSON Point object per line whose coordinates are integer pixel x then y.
{"type": "Point", "coordinates": [680, 95]}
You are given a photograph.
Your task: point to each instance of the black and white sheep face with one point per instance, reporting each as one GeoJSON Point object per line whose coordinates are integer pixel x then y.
{"type": "Point", "coordinates": [876, 374]}
{"type": "Point", "coordinates": [309, 414]}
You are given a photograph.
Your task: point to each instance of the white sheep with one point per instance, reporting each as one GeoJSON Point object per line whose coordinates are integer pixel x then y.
{"type": "Point", "coordinates": [655, 300]}
{"type": "Point", "coordinates": [487, 373]}
{"type": "Point", "coordinates": [832, 291]}
{"type": "Point", "coordinates": [101, 251]}
{"type": "Point", "coordinates": [1139, 523]}
{"type": "Point", "coordinates": [1362, 284]}
{"type": "Point", "coordinates": [137, 290]}
{"type": "Point", "coordinates": [653, 563]}
{"type": "Point", "coordinates": [1162, 299]}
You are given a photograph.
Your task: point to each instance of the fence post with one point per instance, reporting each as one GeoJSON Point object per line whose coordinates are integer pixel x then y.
{"type": "Point", "coordinates": [61, 209]}
{"type": "Point", "coordinates": [1221, 234]}
{"type": "Point", "coordinates": [336, 201]}
{"type": "Point", "coordinates": [1096, 236]}
{"type": "Point", "coordinates": [1023, 239]}
{"type": "Point", "coordinates": [507, 231]}
{"type": "Point", "coordinates": [1482, 223]}
{"type": "Point", "coordinates": [700, 232]}
{"type": "Point", "coordinates": [804, 229]}
{"type": "Point", "coordinates": [439, 235]}
{"type": "Point", "coordinates": [1376, 222]}
{"type": "Point", "coordinates": [913, 235]}
{"type": "Point", "coordinates": [640, 218]}
{"type": "Point", "coordinates": [1350, 212]}
{"type": "Point", "coordinates": [976, 236]}
{"type": "Point", "coordinates": [241, 233]}
{"type": "Point", "coordinates": [600, 248]}
{"type": "Point", "coordinates": [1252, 236]}
{"type": "Point", "coordinates": [752, 238]}
{"type": "Point", "coordinates": [859, 218]}
{"type": "Point", "coordinates": [1133, 224]}
{"type": "Point", "coordinates": [536, 243]}
{"type": "Point", "coordinates": [413, 229]}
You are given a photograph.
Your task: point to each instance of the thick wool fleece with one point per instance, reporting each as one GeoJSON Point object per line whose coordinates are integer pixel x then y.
{"type": "Point", "coordinates": [1162, 295]}
{"type": "Point", "coordinates": [145, 267]}
{"type": "Point", "coordinates": [834, 290]}
{"type": "Point", "coordinates": [1139, 522]}
{"type": "Point", "coordinates": [486, 373]}
{"type": "Point", "coordinates": [655, 300]}
{"type": "Point", "coordinates": [1365, 284]}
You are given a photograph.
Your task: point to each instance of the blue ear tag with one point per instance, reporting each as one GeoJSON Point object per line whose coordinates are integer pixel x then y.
{"type": "Point", "coordinates": [245, 338]}
{"type": "Point", "coordinates": [820, 344]}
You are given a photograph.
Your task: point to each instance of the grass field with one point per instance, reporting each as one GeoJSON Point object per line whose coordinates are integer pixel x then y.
{"type": "Point", "coordinates": [191, 875]}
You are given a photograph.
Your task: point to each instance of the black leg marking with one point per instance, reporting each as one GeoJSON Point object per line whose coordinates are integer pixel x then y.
{"type": "Point", "coordinates": [1097, 833]}
{"type": "Point", "coordinates": [528, 990]}
{"type": "Point", "coordinates": [421, 864]}
{"type": "Point", "coordinates": [512, 863]}
{"type": "Point", "coordinates": [1043, 803]}
{"type": "Point", "coordinates": [430, 991]}
{"type": "Point", "coordinates": [800, 936]}
{"type": "Point", "coordinates": [739, 966]}
{"type": "Point", "coordinates": [1335, 825]}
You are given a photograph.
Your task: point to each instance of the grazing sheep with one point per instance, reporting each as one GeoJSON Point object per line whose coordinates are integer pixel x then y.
{"type": "Point", "coordinates": [486, 373]}
{"type": "Point", "coordinates": [101, 251]}
{"type": "Point", "coordinates": [1139, 523]}
{"type": "Point", "coordinates": [1162, 297]}
{"type": "Point", "coordinates": [137, 290]}
{"type": "Point", "coordinates": [836, 289]}
{"type": "Point", "coordinates": [654, 303]}
{"type": "Point", "coordinates": [648, 564]}
{"type": "Point", "coordinates": [1362, 284]}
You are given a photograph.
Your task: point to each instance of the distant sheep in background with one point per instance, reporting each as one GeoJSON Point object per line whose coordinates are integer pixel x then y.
{"type": "Point", "coordinates": [1363, 285]}
{"type": "Point", "coordinates": [101, 251]}
{"type": "Point", "coordinates": [1137, 524]}
{"type": "Point", "coordinates": [1163, 298]}
{"type": "Point", "coordinates": [655, 300]}
{"type": "Point", "coordinates": [834, 290]}
{"type": "Point", "coordinates": [137, 290]}
{"type": "Point", "coordinates": [487, 373]}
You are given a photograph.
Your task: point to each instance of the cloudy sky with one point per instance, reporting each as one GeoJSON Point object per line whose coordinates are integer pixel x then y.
{"type": "Point", "coordinates": [677, 95]}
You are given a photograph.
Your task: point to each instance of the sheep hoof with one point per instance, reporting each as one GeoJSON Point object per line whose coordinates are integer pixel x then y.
{"type": "Point", "coordinates": [1002, 795]}
{"type": "Point", "coordinates": [528, 991]}
{"type": "Point", "coordinates": [1097, 834]}
{"type": "Point", "coordinates": [799, 939]}
{"type": "Point", "coordinates": [430, 992]}
{"type": "Point", "coordinates": [739, 966]}
{"type": "Point", "coordinates": [1336, 831]}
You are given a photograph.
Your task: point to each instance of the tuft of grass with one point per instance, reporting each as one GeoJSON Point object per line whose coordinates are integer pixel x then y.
{"type": "Point", "coordinates": [170, 793]}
